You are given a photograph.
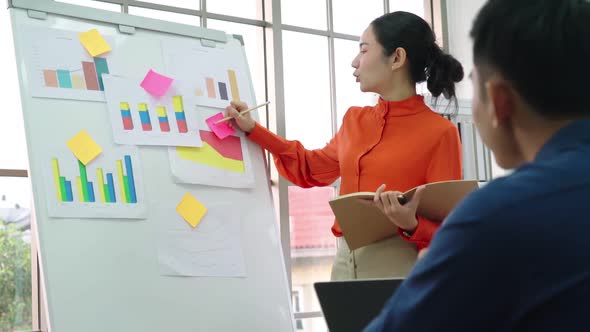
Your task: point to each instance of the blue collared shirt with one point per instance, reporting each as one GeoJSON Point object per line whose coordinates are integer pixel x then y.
{"type": "Point", "coordinates": [513, 256]}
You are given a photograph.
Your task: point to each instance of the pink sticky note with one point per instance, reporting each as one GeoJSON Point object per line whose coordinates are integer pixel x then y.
{"type": "Point", "coordinates": [221, 130]}
{"type": "Point", "coordinates": [156, 84]}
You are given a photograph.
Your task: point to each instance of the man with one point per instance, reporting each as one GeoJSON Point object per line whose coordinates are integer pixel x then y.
{"type": "Point", "coordinates": [515, 255]}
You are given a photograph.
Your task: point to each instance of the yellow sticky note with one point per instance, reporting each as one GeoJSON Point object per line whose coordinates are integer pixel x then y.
{"type": "Point", "coordinates": [191, 210]}
{"type": "Point", "coordinates": [84, 147]}
{"type": "Point", "coordinates": [93, 42]}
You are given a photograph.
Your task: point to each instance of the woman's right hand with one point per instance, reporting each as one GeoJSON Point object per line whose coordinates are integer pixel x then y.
{"type": "Point", "coordinates": [244, 121]}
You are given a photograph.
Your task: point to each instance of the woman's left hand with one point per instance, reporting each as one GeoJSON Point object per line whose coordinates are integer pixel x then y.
{"type": "Point", "coordinates": [404, 216]}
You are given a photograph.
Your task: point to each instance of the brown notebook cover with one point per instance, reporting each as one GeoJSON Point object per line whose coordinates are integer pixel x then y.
{"type": "Point", "coordinates": [362, 223]}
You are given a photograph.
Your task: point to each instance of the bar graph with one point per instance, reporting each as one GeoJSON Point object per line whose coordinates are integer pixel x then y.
{"type": "Point", "coordinates": [86, 77]}
{"type": "Point", "coordinates": [218, 89]}
{"type": "Point", "coordinates": [138, 118]}
{"type": "Point", "coordinates": [58, 65]}
{"type": "Point", "coordinates": [105, 188]}
{"type": "Point", "coordinates": [111, 186]}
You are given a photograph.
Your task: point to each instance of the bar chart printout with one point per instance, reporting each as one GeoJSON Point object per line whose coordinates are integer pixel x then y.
{"type": "Point", "coordinates": [107, 187]}
{"type": "Point", "coordinates": [138, 118]}
{"type": "Point", "coordinates": [216, 77]}
{"type": "Point", "coordinates": [60, 67]}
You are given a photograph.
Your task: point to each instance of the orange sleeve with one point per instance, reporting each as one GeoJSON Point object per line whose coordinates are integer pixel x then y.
{"type": "Point", "coordinates": [305, 168]}
{"type": "Point", "coordinates": [444, 165]}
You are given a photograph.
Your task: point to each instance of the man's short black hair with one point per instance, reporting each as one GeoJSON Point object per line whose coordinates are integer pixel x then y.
{"type": "Point", "coordinates": [542, 47]}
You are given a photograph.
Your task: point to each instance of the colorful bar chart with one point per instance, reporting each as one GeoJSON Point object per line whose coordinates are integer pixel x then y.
{"type": "Point", "coordinates": [222, 88]}
{"type": "Point", "coordinates": [126, 116]}
{"type": "Point", "coordinates": [89, 77]}
{"type": "Point", "coordinates": [144, 116]}
{"type": "Point", "coordinates": [86, 189]}
{"type": "Point", "coordinates": [179, 114]}
{"type": "Point", "coordinates": [163, 119]}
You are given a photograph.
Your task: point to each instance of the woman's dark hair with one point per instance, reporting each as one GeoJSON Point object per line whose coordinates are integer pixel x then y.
{"type": "Point", "coordinates": [542, 47]}
{"type": "Point", "coordinates": [427, 61]}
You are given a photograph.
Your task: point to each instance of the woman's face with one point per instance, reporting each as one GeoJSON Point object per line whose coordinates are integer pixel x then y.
{"type": "Point", "coordinates": [372, 68]}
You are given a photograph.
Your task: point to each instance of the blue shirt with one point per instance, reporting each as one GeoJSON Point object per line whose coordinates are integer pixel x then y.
{"type": "Point", "coordinates": [513, 256]}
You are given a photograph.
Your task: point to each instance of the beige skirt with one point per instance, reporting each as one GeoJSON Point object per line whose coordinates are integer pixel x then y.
{"type": "Point", "coordinates": [389, 258]}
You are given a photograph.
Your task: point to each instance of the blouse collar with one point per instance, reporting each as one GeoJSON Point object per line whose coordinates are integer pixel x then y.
{"type": "Point", "coordinates": [408, 106]}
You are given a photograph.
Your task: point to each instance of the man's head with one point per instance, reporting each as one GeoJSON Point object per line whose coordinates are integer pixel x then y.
{"type": "Point", "coordinates": [532, 63]}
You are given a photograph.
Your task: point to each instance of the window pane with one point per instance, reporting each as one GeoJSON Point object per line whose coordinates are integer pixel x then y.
{"type": "Point", "coordinates": [94, 4]}
{"type": "Point", "coordinates": [412, 6]}
{"type": "Point", "coordinates": [241, 8]}
{"type": "Point", "coordinates": [13, 148]}
{"type": "Point", "coordinates": [305, 13]}
{"type": "Point", "coordinates": [166, 16]}
{"type": "Point", "coordinates": [353, 19]}
{"type": "Point", "coordinates": [15, 255]}
{"type": "Point", "coordinates": [313, 246]}
{"type": "Point", "coordinates": [307, 89]}
{"type": "Point", "coordinates": [348, 91]}
{"type": "Point", "coordinates": [190, 4]}
{"type": "Point", "coordinates": [254, 45]}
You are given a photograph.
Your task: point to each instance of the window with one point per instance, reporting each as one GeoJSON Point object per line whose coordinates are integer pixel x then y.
{"type": "Point", "coordinates": [188, 4]}
{"type": "Point", "coordinates": [241, 8]}
{"type": "Point", "coordinates": [412, 6]}
{"type": "Point", "coordinates": [307, 89]}
{"type": "Point", "coordinates": [305, 13]}
{"type": "Point", "coordinates": [296, 298]}
{"type": "Point", "coordinates": [352, 18]}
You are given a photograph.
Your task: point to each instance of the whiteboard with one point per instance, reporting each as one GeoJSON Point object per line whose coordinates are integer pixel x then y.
{"type": "Point", "coordinates": [103, 274]}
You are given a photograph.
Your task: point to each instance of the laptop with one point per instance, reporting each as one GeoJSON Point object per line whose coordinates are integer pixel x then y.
{"type": "Point", "coordinates": [349, 306]}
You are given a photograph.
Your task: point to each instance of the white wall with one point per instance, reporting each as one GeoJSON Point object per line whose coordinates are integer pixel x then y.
{"type": "Point", "coordinates": [460, 16]}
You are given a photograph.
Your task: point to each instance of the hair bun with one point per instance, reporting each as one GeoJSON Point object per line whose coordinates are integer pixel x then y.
{"type": "Point", "coordinates": [442, 74]}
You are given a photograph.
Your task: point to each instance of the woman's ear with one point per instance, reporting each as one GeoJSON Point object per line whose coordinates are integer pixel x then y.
{"type": "Point", "coordinates": [398, 58]}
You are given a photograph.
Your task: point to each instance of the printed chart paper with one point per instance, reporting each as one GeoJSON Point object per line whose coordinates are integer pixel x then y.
{"type": "Point", "coordinates": [142, 119]}
{"type": "Point", "coordinates": [216, 75]}
{"type": "Point", "coordinates": [111, 186]}
{"type": "Point", "coordinates": [58, 66]}
{"type": "Point", "coordinates": [222, 163]}
{"type": "Point", "coordinates": [213, 249]}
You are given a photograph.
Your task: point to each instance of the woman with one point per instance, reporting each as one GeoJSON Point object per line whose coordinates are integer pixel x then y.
{"type": "Point", "coordinates": [399, 142]}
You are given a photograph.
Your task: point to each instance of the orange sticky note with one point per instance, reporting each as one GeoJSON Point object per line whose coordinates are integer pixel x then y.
{"type": "Point", "coordinates": [191, 210]}
{"type": "Point", "coordinates": [93, 42]}
{"type": "Point", "coordinates": [84, 147]}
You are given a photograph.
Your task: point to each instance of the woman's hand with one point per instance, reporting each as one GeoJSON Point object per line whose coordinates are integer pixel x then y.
{"type": "Point", "coordinates": [403, 216]}
{"type": "Point", "coordinates": [244, 121]}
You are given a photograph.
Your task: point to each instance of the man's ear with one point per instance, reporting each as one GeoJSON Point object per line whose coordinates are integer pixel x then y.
{"type": "Point", "coordinates": [501, 99]}
{"type": "Point", "coordinates": [398, 58]}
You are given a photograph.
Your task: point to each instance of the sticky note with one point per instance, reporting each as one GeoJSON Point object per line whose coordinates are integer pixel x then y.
{"type": "Point", "coordinates": [221, 130]}
{"type": "Point", "coordinates": [93, 42]}
{"type": "Point", "coordinates": [191, 210]}
{"type": "Point", "coordinates": [156, 84]}
{"type": "Point", "coordinates": [84, 147]}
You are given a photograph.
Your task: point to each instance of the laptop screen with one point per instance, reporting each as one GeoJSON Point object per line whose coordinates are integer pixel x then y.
{"type": "Point", "coordinates": [351, 305]}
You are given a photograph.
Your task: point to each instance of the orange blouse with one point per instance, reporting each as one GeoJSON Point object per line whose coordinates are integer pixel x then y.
{"type": "Point", "coordinates": [400, 143]}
